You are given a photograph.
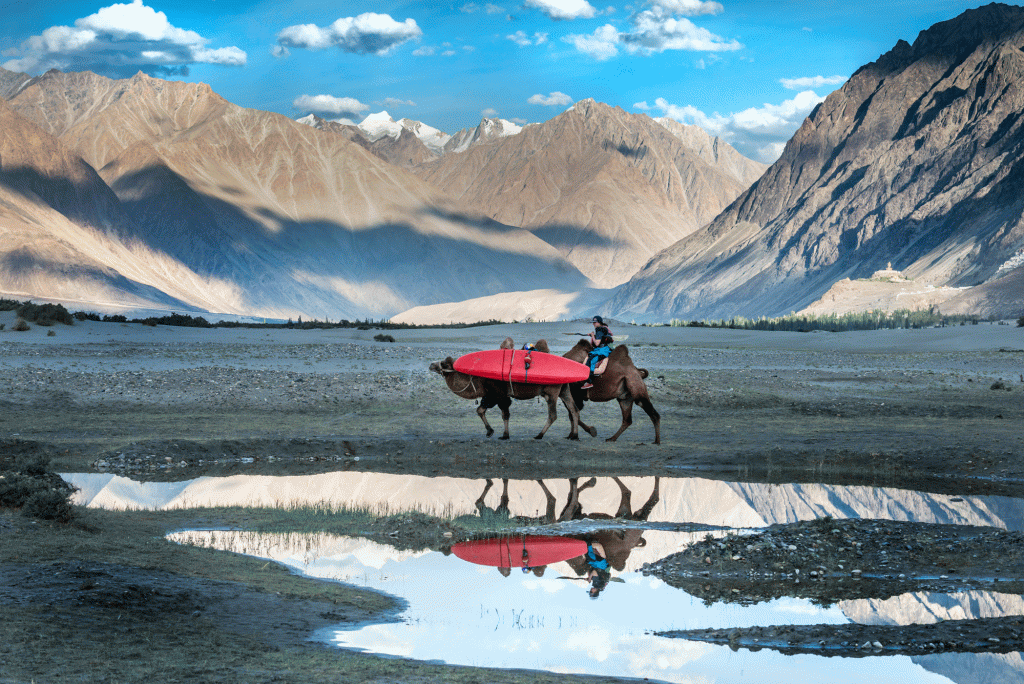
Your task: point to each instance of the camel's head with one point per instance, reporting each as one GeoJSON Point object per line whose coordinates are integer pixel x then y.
{"type": "Point", "coordinates": [443, 367]}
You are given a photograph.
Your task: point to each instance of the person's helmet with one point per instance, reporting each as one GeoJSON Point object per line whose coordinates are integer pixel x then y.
{"type": "Point", "coordinates": [529, 346]}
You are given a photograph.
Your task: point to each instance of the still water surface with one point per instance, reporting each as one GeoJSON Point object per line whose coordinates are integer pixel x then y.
{"type": "Point", "coordinates": [462, 613]}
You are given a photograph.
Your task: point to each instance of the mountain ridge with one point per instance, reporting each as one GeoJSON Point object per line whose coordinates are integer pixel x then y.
{"type": "Point", "coordinates": [915, 160]}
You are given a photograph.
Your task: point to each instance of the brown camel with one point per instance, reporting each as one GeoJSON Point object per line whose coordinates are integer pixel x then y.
{"type": "Point", "coordinates": [501, 393]}
{"type": "Point", "coordinates": [621, 381]}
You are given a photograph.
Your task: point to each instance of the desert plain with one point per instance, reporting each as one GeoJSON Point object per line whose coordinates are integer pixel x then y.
{"type": "Point", "coordinates": [935, 410]}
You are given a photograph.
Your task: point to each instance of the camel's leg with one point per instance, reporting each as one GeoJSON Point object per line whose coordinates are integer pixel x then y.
{"type": "Point", "coordinates": [627, 417]}
{"type": "Point", "coordinates": [549, 511]}
{"type": "Point", "coordinates": [571, 502]}
{"type": "Point", "coordinates": [552, 399]}
{"type": "Point", "coordinates": [574, 407]}
{"type": "Point", "coordinates": [646, 405]}
{"type": "Point", "coordinates": [481, 411]}
{"type": "Point", "coordinates": [645, 511]}
{"type": "Point", "coordinates": [503, 502]}
{"type": "Point", "coordinates": [503, 404]}
{"type": "Point", "coordinates": [625, 506]}
{"type": "Point", "coordinates": [480, 505]}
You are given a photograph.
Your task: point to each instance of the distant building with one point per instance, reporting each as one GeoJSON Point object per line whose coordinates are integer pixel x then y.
{"type": "Point", "coordinates": [890, 274]}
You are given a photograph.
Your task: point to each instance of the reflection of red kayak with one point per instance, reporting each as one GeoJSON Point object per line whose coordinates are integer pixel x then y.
{"type": "Point", "coordinates": [511, 365]}
{"type": "Point", "coordinates": [507, 552]}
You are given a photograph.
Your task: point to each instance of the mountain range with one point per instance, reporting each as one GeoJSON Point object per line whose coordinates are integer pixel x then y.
{"type": "Point", "coordinates": [144, 193]}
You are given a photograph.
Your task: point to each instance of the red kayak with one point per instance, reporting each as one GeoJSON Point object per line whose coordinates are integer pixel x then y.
{"type": "Point", "coordinates": [517, 552]}
{"type": "Point", "coordinates": [519, 365]}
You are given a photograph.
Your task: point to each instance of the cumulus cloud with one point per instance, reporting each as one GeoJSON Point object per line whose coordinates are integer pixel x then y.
{"type": "Point", "coordinates": [395, 102]}
{"type": "Point", "coordinates": [602, 44]}
{"type": "Point", "coordinates": [563, 9]}
{"type": "Point", "coordinates": [554, 99]}
{"type": "Point", "coordinates": [661, 26]}
{"type": "Point", "coordinates": [489, 113]}
{"type": "Point", "coordinates": [653, 32]}
{"type": "Point", "coordinates": [280, 51]}
{"type": "Point", "coordinates": [368, 33]}
{"type": "Point", "coordinates": [119, 40]}
{"type": "Point", "coordinates": [330, 106]}
{"type": "Point", "coordinates": [424, 51]}
{"type": "Point", "coordinates": [811, 82]}
{"type": "Point", "coordinates": [758, 132]}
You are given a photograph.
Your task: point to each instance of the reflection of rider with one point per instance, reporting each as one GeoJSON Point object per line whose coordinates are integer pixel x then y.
{"type": "Point", "coordinates": [597, 568]}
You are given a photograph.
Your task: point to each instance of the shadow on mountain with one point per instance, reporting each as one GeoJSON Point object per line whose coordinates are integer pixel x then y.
{"type": "Point", "coordinates": [22, 263]}
{"type": "Point", "coordinates": [625, 150]}
{"type": "Point", "coordinates": [326, 266]}
{"type": "Point", "coordinates": [86, 201]}
{"type": "Point", "coordinates": [565, 237]}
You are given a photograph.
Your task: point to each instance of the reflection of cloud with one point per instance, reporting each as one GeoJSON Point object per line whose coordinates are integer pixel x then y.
{"type": "Point", "coordinates": [120, 40]}
{"type": "Point", "coordinates": [368, 33]}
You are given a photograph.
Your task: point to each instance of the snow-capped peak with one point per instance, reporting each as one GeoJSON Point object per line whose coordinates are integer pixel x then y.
{"type": "Point", "coordinates": [376, 126]}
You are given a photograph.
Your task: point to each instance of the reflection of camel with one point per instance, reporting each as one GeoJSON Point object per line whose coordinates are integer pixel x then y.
{"type": "Point", "coordinates": [622, 381]}
{"type": "Point", "coordinates": [502, 510]}
{"type": "Point", "coordinates": [618, 544]}
{"type": "Point", "coordinates": [500, 393]}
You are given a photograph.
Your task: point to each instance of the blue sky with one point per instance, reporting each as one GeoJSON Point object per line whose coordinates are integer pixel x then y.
{"type": "Point", "coordinates": [747, 71]}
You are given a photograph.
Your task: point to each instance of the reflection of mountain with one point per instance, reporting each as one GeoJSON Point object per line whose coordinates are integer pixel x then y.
{"type": "Point", "coordinates": [302, 548]}
{"type": "Point", "coordinates": [963, 668]}
{"type": "Point", "coordinates": [681, 500]}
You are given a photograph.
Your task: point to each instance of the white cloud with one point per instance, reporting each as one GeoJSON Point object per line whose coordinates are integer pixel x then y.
{"type": "Point", "coordinates": [368, 33]}
{"type": "Point", "coordinates": [811, 82]}
{"type": "Point", "coordinates": [119, 40]}
{"type": "Point", "coordinates": [493, 9]}
{"type": "Point", "coordinates": [328, 105]}
{"type": "Point", "coordinates": [658, 28]}
{"type": "Point", "coordinates": [554, 99]}
{"type": "Point", "coordinates": [280, 51]}
{"type": "Point", "coordinates": [653, 32]}
{"type": "Point", "coordinates": [758, 132]}
{"type": "Point", "coordinates": [424, 51]}
{"type": "Point", "coordinates": [563, 9]}
{"type": "Point", "coordinates": [395, 102]}
{"type": "Point", "coordinates": [469, 48]}
{"type": "Point", "coordinates": [642, 106]}
{"type": "Point", "coordinates": [689, 8]}
{"type": "Point", "coordinates": [489, 113]}
{"type": "Point", "coordinates": [602, 44]}
{"type": "Point", "coordinates": [470, 7]}
{"type": "Point", "coordinates": [449, 53]}
{"type": "Point", "coordinates": [522, 40]}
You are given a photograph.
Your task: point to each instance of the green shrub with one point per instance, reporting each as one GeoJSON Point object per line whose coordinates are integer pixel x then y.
{"type": "Point", "coordinates": [384, 338]}
{"type": "Point", "coordinates": [20, 325]}
{"type": "Point", "coordinates": [45, 314]}
{"type": "Point", "coordinates": [30, 486]}
{"type": "Point", "coordinates": [1020, 322]}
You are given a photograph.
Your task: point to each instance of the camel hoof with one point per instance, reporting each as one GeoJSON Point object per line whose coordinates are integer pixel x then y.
{"type": "Point", "coordinates": [574, 436]}
{"type": "Point", "coordinates": [503, 437]}
{"type": "Point", "coordinates": [611, 439]}
{"type": "Point", "coordinates": [540, 436]}
{"type": "Point", "coordinates": [593, 432]}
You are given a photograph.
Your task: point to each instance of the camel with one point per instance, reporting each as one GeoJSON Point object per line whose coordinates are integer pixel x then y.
{"type": "Point", "coordinates": [500, 393]}
{"type": "Point", "coordinates": [621, 380]}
